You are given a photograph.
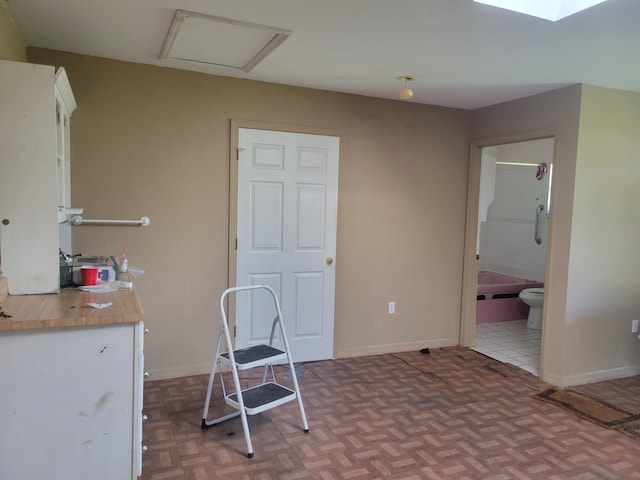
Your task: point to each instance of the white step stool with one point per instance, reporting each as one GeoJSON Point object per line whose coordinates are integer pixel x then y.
{"type": "Point", "coordinates": [263, 396]}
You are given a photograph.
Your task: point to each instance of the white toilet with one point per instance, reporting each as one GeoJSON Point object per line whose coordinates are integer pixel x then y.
{"type": "Point", "coordinates": [534, 297]}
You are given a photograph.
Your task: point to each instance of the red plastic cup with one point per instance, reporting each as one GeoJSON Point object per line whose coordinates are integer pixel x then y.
{"type": "Point", "coordinates": [89, 275]}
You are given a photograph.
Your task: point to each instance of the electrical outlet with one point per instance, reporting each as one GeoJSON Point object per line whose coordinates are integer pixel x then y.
{"type": "Point", "coordinates": [634, 326]}
{"type": "Point", "coordinates": [392, 307]}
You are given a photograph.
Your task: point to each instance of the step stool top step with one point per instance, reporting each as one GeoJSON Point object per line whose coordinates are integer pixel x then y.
{"type": "Point", "coordinates": [254, 354]}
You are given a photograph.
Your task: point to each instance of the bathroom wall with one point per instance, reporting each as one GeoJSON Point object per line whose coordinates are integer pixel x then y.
{"type": "Point", "coordinates": [487, 191]}
{"type": "Point", "coordinates": [507, 235]}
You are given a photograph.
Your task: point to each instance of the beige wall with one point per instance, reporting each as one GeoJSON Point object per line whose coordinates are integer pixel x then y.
{"type": "Point", "coordinates": [153, 141]}
{"type": "Point", "coordinates": [603, 294]}
{"type": "Point", "coordinates": [12, 45]}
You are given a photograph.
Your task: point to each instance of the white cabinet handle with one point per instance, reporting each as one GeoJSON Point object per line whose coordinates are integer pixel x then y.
{"type": "Point", "coordinates": [144, 449]}
{"type": "Point", "coordinates": [144, 418]}
{"type": "Point", "coordinates": [146, 330]}
{"type": "Point", "coordinates": [146, 374]}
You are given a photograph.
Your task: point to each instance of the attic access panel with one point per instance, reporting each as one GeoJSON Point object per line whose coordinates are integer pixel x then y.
{"type": "Point", "coordinates": [206, 39]}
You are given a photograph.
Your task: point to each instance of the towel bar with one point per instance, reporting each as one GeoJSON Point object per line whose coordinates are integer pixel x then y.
{"type": "Point", "coordinates": [78, 220]}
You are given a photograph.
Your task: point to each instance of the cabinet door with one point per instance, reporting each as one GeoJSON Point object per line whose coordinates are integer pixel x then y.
{"type": "Point", "coordinates": [138, 391]}
{"type": "Point", "coordinates": [67, 403]}
{"type": "Point", "coordinates": [28, 186]}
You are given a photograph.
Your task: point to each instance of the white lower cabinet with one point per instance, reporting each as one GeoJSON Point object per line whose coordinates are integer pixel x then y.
{"type": "Point", "coordinates": [71, 403]}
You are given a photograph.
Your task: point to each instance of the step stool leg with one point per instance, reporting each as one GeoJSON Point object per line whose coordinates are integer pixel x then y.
{"type": "Point", "coordinates": [247, 435]}
{"type": "Point", "coordinates": [243, 412]}
{"type": "Point", "coordinates": [299, 397]}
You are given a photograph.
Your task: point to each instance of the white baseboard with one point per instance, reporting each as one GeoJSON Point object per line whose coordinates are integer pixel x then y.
{"type": "Point", "coordinates": [590, 377]}
{"type": "Point", "coordinates": [175, 372]}
{"type": "Point", "coordinates": [205, 369]}
{"type": "Point", "coordinates": [396, 347]}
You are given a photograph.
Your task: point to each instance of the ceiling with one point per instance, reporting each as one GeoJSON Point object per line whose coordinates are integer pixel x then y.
{"type": "Point", "coordinates": [464, 55]}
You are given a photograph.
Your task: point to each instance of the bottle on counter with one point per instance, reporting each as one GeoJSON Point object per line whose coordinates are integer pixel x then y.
{"type": "Point", "coordinates": [123, 262]}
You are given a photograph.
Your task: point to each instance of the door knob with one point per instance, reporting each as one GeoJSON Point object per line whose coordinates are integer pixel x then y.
{"type": "Point", "coordinates": [329, 261]}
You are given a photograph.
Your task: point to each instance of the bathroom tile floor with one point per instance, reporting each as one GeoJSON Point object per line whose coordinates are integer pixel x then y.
{"type": "Point", "coordinates": [510, 342]}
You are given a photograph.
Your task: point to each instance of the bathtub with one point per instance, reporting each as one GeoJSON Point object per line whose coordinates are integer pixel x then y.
{"type": "Point", "coordinates": [498, 297]}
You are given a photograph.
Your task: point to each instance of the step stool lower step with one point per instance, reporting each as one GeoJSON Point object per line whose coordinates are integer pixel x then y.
{"type": "Point", "coordinates": [262, 397]}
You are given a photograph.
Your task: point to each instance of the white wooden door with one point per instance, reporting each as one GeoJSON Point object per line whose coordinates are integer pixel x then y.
{"type": "Point", "coordinates": [286, 237]}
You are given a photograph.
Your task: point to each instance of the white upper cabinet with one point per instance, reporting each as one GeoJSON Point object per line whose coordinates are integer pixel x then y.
{"type": "Point", "coordinates": [29, 234]}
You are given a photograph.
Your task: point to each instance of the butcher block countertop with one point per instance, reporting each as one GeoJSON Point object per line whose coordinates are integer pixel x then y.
{"type": "Point", "coordinates": [68, 309]}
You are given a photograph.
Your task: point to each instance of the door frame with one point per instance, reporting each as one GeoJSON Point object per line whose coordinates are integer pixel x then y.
{"type": "Point", "coordinates": [470, 262]}
{"type": "Point", "coordinates": [234, 125]}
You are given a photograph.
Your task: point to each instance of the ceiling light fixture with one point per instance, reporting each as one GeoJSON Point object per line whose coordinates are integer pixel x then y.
{"type": "Point", "coordinates": [552, 10]}
{"type": "Point", "coordinates": [406, 93]}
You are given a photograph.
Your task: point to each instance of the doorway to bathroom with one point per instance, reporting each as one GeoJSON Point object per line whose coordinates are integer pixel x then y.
{"type": "Point", "coordinates": [511, 249]}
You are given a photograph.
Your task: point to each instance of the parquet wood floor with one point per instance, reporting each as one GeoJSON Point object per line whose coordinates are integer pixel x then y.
{"type": "Point", "coordinates": [453, 414]}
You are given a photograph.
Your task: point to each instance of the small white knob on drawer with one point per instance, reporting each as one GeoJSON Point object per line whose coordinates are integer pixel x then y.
{"type": "Point", "coordinates": [144, 449]}
{"type": "Point", "coordinates": [146, 374]}
{"type": "Point", "coordinates": [144, 418]}
{"type": "Point", "coordinates": [146, 330]}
